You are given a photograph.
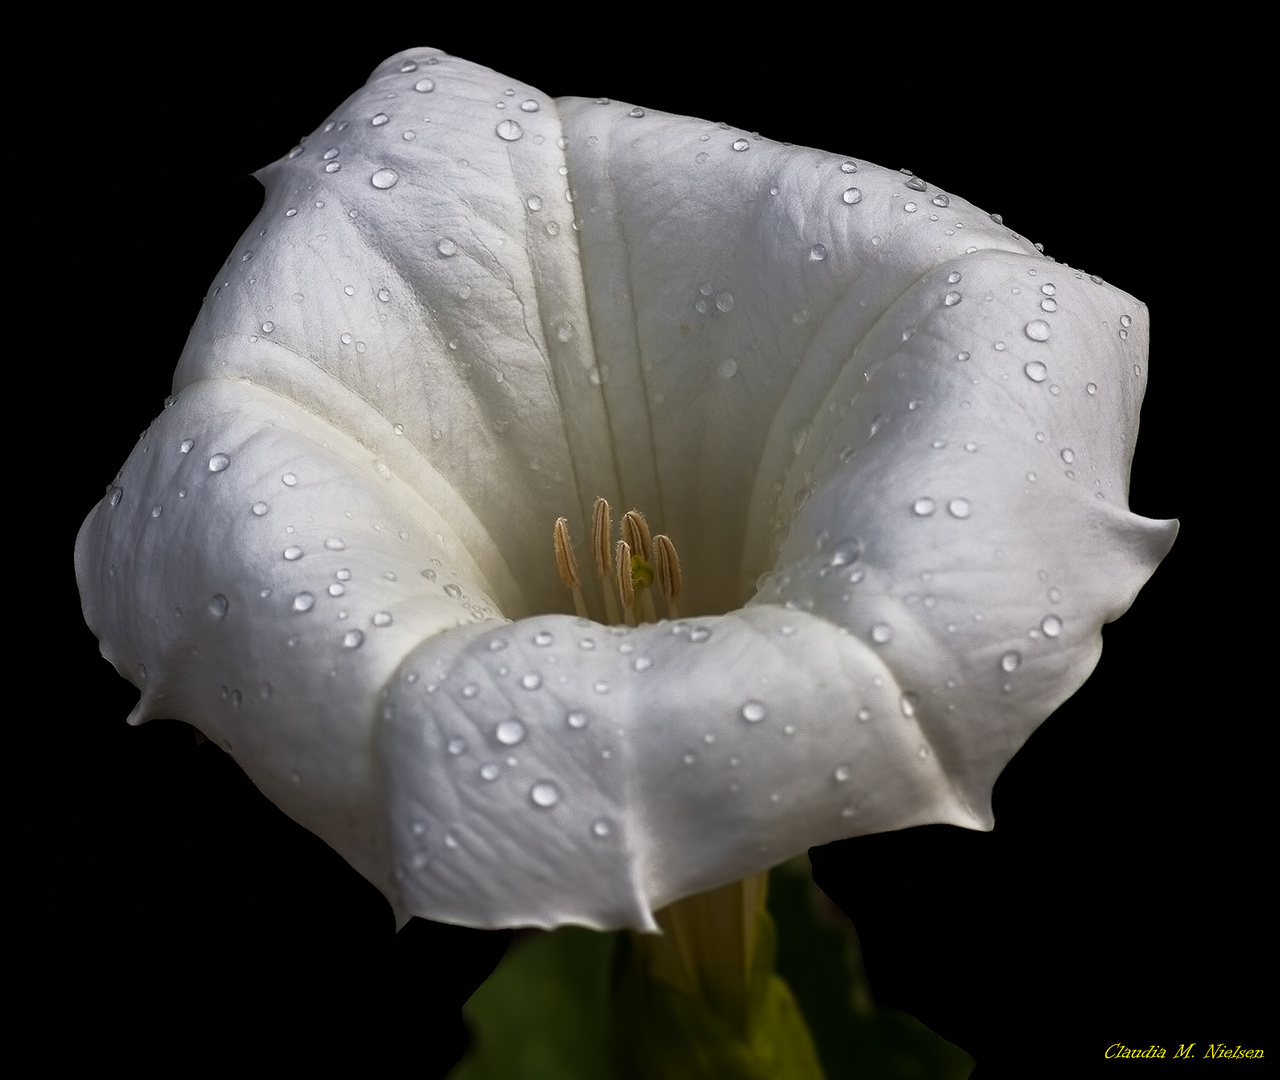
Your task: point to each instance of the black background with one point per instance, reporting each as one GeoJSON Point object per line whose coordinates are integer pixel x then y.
{"type": "Point", "coordinates": [165, 908]}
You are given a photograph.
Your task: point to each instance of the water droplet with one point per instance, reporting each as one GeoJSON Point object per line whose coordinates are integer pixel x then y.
{"type": "Point", "coordinates": [510, 732]}
{"type": "Point", "coordinates": [218, 606]}
{"type": "Point", "coordinates": [576, 720]}
{"type": "Point", "coordinates": [457, 745]}
{"type": "Point", "coordinates": [845, 552]}
{"type": "Point", "coordinates": [600, 828]}
{"type": "Point", "coordinates": [842, 773]}
{"type": "Point", "coordinates": [304, 601]}
{"type": "Point", "coordinates": [447, 247]}
{"type": "Point", "coordinates": [952, 299]}
{"type": "Point", "coordinates": [218, 462]}
{"type": "Point", "coordinates": [753, 712]}
{"type": "Point", "coordinates": [384, 178]}
{"type": "Point", "coordinates": [923, 506]}
{"type": "Point", "coordinates": [699, 633]}
{"type": "Point", "coordinates": [509, 130]}
{"type": "Point", "coordinates": [1037, 330]}
{"type": "Point", "coordinates": [1126, 321]}
{"type": "Point", "coordinates": [531, 681]}
{"type": "Point", "coordinates": [962, 356]}
{"type": "Point", "coordinates": [849, 167]}
{"type": "Point", "coordinates": [817, 253]}
{"type": "Point", "coordinates": [689, 758]}
{"type": "Point", "coordinates": [378, 119]}
{"type": "Point", "coordinates": [334, 544]}
{"type": "Point", "coordinates": [544, 794]}
{"type": "Point", "coordinates": [157, 510]}
{"type": "Point", "coordinates": [1036, 371]}
{"type": "Point", "coordinates": [1068, 455]}
{"type": "Point", "coordinates": [382, 618]}
{"type": "Point", "coordinates": [450, 841]}
{"type": "Point", "coordinates": [424, 86]}
{"type": "Point", "coordinates": [882, 633]}
{"type": "Point", "coordinates": [727, 368]}
{"type": "Point", "coordinates": [1011, 660]}
{"type": "Point", "coordinates": [453, 591]}
{"type": "Point", "coordinates": [852, 195]}
{"type": "Point", "coordinates": [959, 508]}
{"type": "Point", "coordinates": [343, 575]}
{"type": "Point", "coordinates": [353, 639]}
{"type": "Point", "coordinates": [864, 714]}
{"type": "Point", "coordinates": [1051, 626]}
{"type": "Point", "coordinates": [916, 184]}
{"type": "Point", "coordinates": [909, 703]}
{"type": "Point", "coordinates": [489, 771]}
{"type": "Point", "coordinates": [741, 144]}
{"type": "Point", "coordinates": [941, 200]}
{"type": "Point", "coordinates": [724, 300]}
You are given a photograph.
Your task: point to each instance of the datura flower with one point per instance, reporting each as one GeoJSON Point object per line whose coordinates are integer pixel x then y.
{"type": "Point", "coordinates": [889, 440]}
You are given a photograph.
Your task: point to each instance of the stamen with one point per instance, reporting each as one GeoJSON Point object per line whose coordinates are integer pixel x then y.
{"type": "Point", "coordinates": [666, 568]}
{"type": "Point", "coordinates": [600, 532]}
{"type": "Point", "coordinates": [567, 565]}
{"type": "Point", "coordinates": [635, 531]}
{"type": "Point", "coordinates": [626, 590]}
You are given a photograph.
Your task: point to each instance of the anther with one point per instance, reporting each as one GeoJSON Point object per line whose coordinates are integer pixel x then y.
{"type": "Point", "coordinates": [666, 569]}
{"type": "Point", "coordinates": [600, 530]}
{"type": "Point", "coordinates": [567, 565]}
{"type": "Point", "coordinates": [635, 531]}
{"type": "Point", "coordinates": [626, 590]}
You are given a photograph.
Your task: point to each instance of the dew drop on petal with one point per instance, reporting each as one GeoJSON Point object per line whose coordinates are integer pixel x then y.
{"type": "Point", "coordinates": [531, 681]}
{"type": "Point", "coordinates": [941, 200]}
{"type": "Point", "coordinates": [959, 508]}
{"type": "Point", "coordinates": [424, 86]}
{"type": "Point", "coordinates": [1037, 330]}
{"type": "Point", "coordinates": [842, 773]}
{"type": "Point", "coordinates": [851, 196]}
{"type": "Point", "coordinates": [489, 771]}
{"type": "Point", "coordinates": [753, 712]}
{"type": "Point", "coordinates": [382, 618]}
{"type": "Point", "coordinates": [510, 732]}
{"type": "Point", "coordinates": [457, 745]}
{"type": "Point", "coordinates": [544, 794]}
{"type": "Point", "coordinates": [509, 130]}
{"type": "Point", "coordinates": [447, 247]}
{"type": "Point", "coordinates": [845, 552]}
{"type": "Point", "coordinates": [304, 601]}
{"type": "Point", "coordinates": [923, 507]}
{"type": "Point", "coordinates": [218, 606]}
{"type": "Point", "coordinates": [952, 299]}
{"type": "Point", "coordinates": [1068, 455]}
{"type": "Point", "coordinates": [335, 544]}
{"type": "Point", "coordinates": [1051, 626]}
{"type": "Point", "coordinates": [1011, 660]}
{"type": "Point", "coordinates": [600, 828]}
{"type": "Point", "coordinates": [1036, 371]}
{"type": "Point", "coordinates": [259, 509]}
{"type": "Point", "coordinates": [353, 639]}
{"type": "Point", "coordinates": [909, 703]}
{"type": "Point", "coordinates": [1091, 388]}
{"type": "Point", "coordinates": [542, 638]}
{"type": "Point", "coordinates": [218, 462]}
{"type": "Point", "coordinates": [817, 253]}
{"type": "Point", "coordinates": [741, 144]}
{"type": "Point", "coordinates": [292, 553]}
{"type": "Point", "coordinates": [576, 720]}
{"type": "Point", "coordinates": [882, 633]}
{"type": "Point", "coordinates": [384, 178]}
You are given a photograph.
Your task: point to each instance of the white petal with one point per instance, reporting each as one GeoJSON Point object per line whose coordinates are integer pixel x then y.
{"type": "Point", "coordinates": [418, 359]}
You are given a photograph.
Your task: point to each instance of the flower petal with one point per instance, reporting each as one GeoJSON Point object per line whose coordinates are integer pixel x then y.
{"type": "Point", "coordinates": [427, 348]}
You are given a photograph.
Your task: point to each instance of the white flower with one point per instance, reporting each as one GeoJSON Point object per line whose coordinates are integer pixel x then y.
{"type": "Point", "coordinates": [890, 439]}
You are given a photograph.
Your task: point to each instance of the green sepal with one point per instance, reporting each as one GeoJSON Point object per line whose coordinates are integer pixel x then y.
{"type": "Point", "coordinates": [659, 1032]}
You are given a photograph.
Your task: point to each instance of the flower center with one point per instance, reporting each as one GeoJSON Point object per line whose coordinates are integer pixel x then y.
{"type": "Point", "coordinates": [627, 571]}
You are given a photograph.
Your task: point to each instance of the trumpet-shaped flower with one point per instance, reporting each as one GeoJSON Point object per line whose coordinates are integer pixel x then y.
{"type": "Point", "coordinates": [890, 440]}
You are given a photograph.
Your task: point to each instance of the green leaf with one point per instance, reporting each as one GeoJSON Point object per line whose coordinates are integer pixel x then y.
{"type": "Point", "coordinates": [820, 958]}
